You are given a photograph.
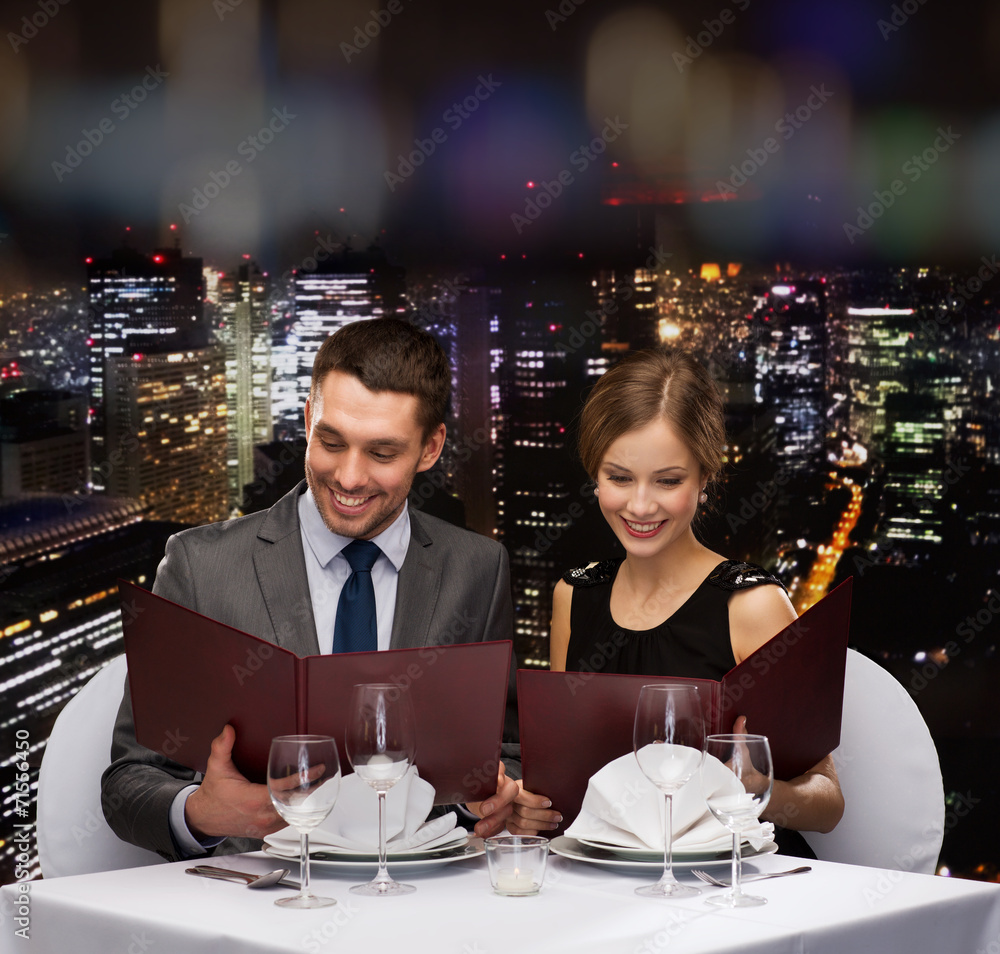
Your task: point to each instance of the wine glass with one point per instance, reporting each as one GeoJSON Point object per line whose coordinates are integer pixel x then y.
{"type": "Point", "coordinates": [381, 745]}
{"type": "Point", "coordinates": [669, 742]}
{"type": "Point", "coordinates": [303, 779]}
{"type": "Point", "coordinates": [749, 758]}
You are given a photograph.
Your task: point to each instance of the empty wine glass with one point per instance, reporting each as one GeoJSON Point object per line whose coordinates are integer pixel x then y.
{"type": "Point", "coordinates": [749, 758]}
{"type": "Point", "coordinates": [381, 744]}
{"type": "Point", "coordinates": [303, 779]}
{"type": "Point", "coordinates": [669, 742]}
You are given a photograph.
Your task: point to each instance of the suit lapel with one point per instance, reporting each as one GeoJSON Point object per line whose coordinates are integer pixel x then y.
{"type": "Point", "coordinates": [417, 589]}
{"type": "Point", "coordinates": [281, 574]}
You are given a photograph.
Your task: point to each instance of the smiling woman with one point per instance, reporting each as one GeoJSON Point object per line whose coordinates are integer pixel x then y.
{"type": "Point", "coordinates": [652, 436]}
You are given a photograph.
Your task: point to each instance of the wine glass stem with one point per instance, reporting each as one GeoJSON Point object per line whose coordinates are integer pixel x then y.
{"type": "Point", "coordinates": [737, 865]}
{"type": "Point", "coordinates": [383, 873]}
{"type": "Point", "coordinates": [668, 840]}
{"type": "Point", "coordinates": [304, 848]}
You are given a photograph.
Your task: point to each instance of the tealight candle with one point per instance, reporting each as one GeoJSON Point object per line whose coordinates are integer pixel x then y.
{"type": "Point", "coordinates": [514, 881]}
{"type": "Point", "coordinates": [516, 864]}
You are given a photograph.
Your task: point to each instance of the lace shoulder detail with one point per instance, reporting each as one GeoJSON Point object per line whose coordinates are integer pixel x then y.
{"type": "Point", "coordinates": [733, 575]}
{"type": "Point", "coordinates": [594, 574]}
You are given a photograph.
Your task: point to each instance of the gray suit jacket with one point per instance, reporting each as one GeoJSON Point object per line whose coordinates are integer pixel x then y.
{"type": "Point", "coordinates": [250, 573]}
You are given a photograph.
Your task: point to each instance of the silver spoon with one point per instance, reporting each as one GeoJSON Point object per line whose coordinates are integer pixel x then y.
{"type": "Point", "coordinates": [278, 876]}
{"type": "Point", "coordinates": [711, 879]}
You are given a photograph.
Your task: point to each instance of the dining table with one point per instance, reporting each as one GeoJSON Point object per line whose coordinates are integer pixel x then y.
{"type": "Point", "coordinates": [582, 907]}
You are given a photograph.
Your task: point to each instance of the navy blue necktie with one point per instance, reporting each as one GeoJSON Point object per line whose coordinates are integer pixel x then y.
{"type": "Point", "coordinates": [356, 628]}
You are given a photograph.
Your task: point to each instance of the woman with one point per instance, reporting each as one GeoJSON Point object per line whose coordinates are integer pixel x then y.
{"type": "Point", "coordinates": [652, 435]}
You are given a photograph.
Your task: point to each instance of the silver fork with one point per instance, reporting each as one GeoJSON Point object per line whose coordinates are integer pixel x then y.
{"type": "Point", "coordinates": [711, 879]}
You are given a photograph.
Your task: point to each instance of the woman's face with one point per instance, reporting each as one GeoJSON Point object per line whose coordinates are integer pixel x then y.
{"type": "Point", "coordinates": [648, 486]}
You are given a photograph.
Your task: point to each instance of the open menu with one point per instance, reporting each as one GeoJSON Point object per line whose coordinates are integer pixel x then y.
{"type": "Point", "coordinates": [189, 675]}
{"type": "Point", "coordinates": [791, 690]}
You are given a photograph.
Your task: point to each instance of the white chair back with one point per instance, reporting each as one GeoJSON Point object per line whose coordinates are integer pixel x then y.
{"type": "Point", "coordinates": [73, 837]}
{"type": "Point", "coordinates": [890, 775]}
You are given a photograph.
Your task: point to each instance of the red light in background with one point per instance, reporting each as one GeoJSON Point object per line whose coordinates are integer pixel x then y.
{"type": "Point", "coordinates": [137, 357]}
{"type": "Point", "coordinates": [173, 228]}
{"type": "Point", "coordinates": [158, 259]}
{"type": "Point", "coordinates": [503, 258]}
{"type": "Point", "coordinates": [90, 342]}
{"type": "Point", "coordinates": [579, 254]}
{"type": "Point", "coordinates": [89, 260]}
{"type": "Point", "coordinates": [530, 184]}
{"type": "Point", "coordinates": [246, 256]}
{"type": "Point", "coordinates": [614, 165]}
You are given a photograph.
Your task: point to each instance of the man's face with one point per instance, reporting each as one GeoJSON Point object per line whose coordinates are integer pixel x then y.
{"type": "Point", "coordinates": [364, 449]}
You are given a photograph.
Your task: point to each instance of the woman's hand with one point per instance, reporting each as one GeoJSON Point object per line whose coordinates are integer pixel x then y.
{"type": "Point", "coordinates": [812, 801]}
{"type": "Point", "coordinates": [532, 813]}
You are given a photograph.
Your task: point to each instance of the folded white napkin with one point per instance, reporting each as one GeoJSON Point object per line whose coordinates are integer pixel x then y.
{"type": "Point", "coordinates": [624, 809]}
{"type": "Point", "coordinates": [353, 823]}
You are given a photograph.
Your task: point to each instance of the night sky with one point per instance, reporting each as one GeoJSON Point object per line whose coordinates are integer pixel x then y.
{"type": "Point", "coordinates": [499, 95]}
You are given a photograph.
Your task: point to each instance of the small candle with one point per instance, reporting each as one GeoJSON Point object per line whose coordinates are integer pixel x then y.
{"type": "Point", "coordinates": [515, 881]}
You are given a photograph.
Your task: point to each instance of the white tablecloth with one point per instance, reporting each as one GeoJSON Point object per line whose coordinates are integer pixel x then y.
{"type": "Point", "coordinates": [834, 909]}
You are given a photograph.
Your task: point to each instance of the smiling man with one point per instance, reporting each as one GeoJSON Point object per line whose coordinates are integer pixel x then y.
{"type": "Point", "coordinates": [375, 418]}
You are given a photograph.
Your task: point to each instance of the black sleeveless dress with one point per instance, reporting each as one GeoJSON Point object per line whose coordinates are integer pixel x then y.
{"type": "Point", "coordinates": [694, 642]}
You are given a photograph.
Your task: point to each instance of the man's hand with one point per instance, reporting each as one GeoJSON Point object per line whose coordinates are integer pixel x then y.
{"type": "Point", "coordinates": [494, 811]}
{"type": "Point", "coordinates": [226, 804]}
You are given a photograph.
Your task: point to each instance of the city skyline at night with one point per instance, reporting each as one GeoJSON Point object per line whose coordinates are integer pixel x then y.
{"type": "Point", "coordinates": [193, 195]}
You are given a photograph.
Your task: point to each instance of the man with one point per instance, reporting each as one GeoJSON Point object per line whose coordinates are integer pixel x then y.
{"type": "Point", "coordinates": [374, 419]}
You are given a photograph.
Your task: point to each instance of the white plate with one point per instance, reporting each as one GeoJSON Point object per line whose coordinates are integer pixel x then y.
{"type": "Point", "coordinates": [472, 848]}
{"type": "Point", "coordinates": [578, 851]}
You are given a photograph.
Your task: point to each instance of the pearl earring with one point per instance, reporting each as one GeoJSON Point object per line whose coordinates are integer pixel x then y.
{"type": "Point", "coordinates": [703, 498]}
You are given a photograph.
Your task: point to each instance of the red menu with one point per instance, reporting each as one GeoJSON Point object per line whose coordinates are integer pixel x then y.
{"type": "Point", "coordinates": [190, 675]}
{"type": "Point", "coordinates": [791, 690]}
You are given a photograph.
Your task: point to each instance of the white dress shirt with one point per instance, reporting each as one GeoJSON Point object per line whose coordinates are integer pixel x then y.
{"type": "Point", "coordinates": [327, 570]}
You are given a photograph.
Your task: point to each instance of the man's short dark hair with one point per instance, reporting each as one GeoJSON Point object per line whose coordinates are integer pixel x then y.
{"type": "Point", "coordinates": [389, 354]}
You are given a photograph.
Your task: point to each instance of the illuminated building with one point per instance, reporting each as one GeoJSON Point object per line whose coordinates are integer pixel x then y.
{"type": "Point", "coordinates": [791, 370]}
{"type": "Point", "coordinates": [476, 405]}
{"type": "Point", "coordinates": [43, 443]}
{"type": "Point", "coordinates": [60, 619]}
{"type": "Point", "coordinates": [541, 496]}
{"type": "Point", "coordinates": [138, 303]}
{"type": "Point", "coordinates": [350, 287]}
{"type": "Point", "coordinates": [878, 340]}
{"type": "Point", "coordinates": [167, 434]}
{"type": "Point", "coordinates": [246, 334]}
